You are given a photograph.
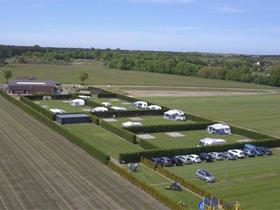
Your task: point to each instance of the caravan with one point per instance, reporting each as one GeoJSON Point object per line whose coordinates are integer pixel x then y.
{"type": "Point", "coordinates": [175, 115]}
{"type": "Point", "coordinates": [140, 104]}
{"type": "Point", "coordinates": [210, 142]}
{"type": "Point", "coordinates": [78, 102]}
{"type": "Point", "coordinates": [219, 129]}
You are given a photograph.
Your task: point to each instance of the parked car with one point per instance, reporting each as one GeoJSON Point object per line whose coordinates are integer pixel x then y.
{"type": "Point", "coordinates": [205, 157]}
{"type": "Point", "coordinates": [249, 152]}
{"type": "Point", "coordinates": [265, 150]}
{"type": "Point", "coordinates": [176, 161]}
{"type": "Point", "coordinates": [216, 155]}
{"type": "Point", "coordinates": [239, 153]}
{"type": "Point", "coordinates": [157, 161]}
{"type": "Point", "coordinates": [184, 159]}
{"type": "Point", "coordinates": [205, 176]}
{"type": "Point", "coordinates": [166, 161]}
{"type": "Point", "coordinates": [229, 156]}
{"type": "Point", "coordinates": [194, 158]}
{"type": "Point", "coordinates": [258, 151]}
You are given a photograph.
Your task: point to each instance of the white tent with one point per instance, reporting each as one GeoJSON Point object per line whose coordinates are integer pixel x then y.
{"type": "Point", "coordinates": [57, 111]}
{"type": "Point", "coordinates": [140, 104]}
{"type": "Point", "coordinates": [175, 114]}
{"type": "Point", "coordinates": [154, 107]}
{"type": "Point", "coordinates": [100, 109]}
{"type": "Point", "coordinates": [210, 141]}
{"type": "Point", "coordinates": [118, 108]}
{"type": "Point", "coordinates": [129, 124]}
{"type": "Point", "coordinates": [219, 129]}
{"type": "Point", "coordinates": [78, 102]}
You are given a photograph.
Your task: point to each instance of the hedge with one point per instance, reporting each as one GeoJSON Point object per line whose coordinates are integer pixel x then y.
{"type": "Point", "coordinates": [198, 118]}
{"type": "Point", "coordinates": [55, 97]}
{"type": "Point", "coordinates": [146, 187]}
{"type": "Point", "coordinates": [136, 157]}
{"type": "Point", "coordinates": [168, 128]}
{"type": "Point", "coordinates": [179, 179]}
{"type": "Point", "coordinates": [145, 144]}
{"type": "Point", "coordinates": [92, 103]}
{"type": "Point", "coordinates": [249, 133]}
{"type": "Point", "coordinates": [95, 119]}
{"type": "Point", "coordinates": [37, 107]}
{"type": "Point", "coordinates": [131, 137]}
{"type": "Point", "coordinates": [129, 113]}
{"type": "Point", "coordinates": [104, 158]}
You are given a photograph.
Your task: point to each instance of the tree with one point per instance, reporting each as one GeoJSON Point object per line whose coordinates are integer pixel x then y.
{"type": "Point", "coordinates": [7, 75]}
{"type": "Point", "coordinates": [83, 77]}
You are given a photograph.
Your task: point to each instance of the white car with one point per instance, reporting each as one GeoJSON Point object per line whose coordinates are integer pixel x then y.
{"type": "Point", "coordinates": [184, 159]}
{"type": "Point", "coordinates": [130, 124]}
{"type": "Point", "coordinates": [216, 155]}
{"type": "Point", "coordinates": [237, 152]}
{"type": "Point", "coordinates": [194, 158]}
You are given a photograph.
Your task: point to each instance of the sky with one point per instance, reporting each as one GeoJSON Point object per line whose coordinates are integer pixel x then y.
{"type": "Point", "coordinates": [220, 26]}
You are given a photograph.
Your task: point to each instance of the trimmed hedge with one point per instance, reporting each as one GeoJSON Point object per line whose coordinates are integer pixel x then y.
{"type": "Point", "coordinates": [167, 128]}
{"type": "Point", "coordinates": [198, 118]}
{"type": "Point", "coordinates": [104, 158]}
{"type": "Point", "coordinates": [129, 113]}
{"type": "Point", "coordinates": [146, 187]}
{"type": "Point", "coordinates": [95, 119]}
{"type": "Point", "coordinates": [249, 133]}
{"type": "Point", "coordinates": [179, 179]}
{"type": "Point", "coordinates": [145, 144]}
{"type": "Point", "coordinates": [131, 137]}
{"type": "Point", "coordinates": [92, 104]}
{"type": "Point", "coordinates": [37, 107]}
{"type": "Point", "coordinates": [136, 157]}
{"type": "Point", "coordinates": [55, 97]}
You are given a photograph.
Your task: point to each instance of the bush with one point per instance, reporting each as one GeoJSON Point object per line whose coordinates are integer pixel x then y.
{"type": "Point", "coordinates": [168, 128]}
{"type": "Point", "coordinates": [136, 157]}
{"type": "Point", "coordinates": [38, 108]}
{"type": "Point", "coordinates": [146, 187]}
{"type": "Point", "coordinates": [104, 158]}
{"type": "Point", "coordinates": [145, 144]}
{"type": "Point", "coordinates": [131, 137]}
{"type": "Point", "coordinates": [129, 113]}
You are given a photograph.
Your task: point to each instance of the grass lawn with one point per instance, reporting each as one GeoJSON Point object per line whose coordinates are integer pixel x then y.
{"type": "Point", "coordinates": [159, 182]}
{"type": "Point", "coordinates": [259, 112]}
{"type": "Point", "coordinates": [114, 102]}
{"type": "Point", "coordinates": [102, 139]}
{"type": "Point", "coordinates": [190, 139]}
{"type": "Point", "coordinates": [62, 104]}
{"type": "Point", "coordinates": [254, 182]}
{"type": "Point", "coordinates": [101, 75]}
{"type": "Point", "coordinates": [150, 120]}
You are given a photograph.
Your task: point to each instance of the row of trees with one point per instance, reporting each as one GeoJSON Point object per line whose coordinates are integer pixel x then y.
{"type": "Point", "coordinates": [217, 66]}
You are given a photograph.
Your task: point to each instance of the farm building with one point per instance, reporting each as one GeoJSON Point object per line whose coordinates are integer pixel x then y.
{"type": "Point", "coordinates": [175, 114]}
{"type": "Point", "coordinates": [219, 129]}
{"type": "Point", "coordinates": [140, 104]}
{"type": "Point", "coordinates": [34, 87]}
{"type": "Point", "coordinates": [72, 118]}
{"type": "Point", "coordinates": [78, 102]}
{"type": "Point", "coordinates": [210, 141]}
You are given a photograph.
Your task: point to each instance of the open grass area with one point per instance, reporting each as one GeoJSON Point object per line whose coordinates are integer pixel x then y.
{"type": "Point", "coordinates": [149, 120]}
{"type": "Point", "coordinates": [62, 104]}
{"type": "Point", "coordinates": [190, 139]}
{"type": "Point", "coordinates": [40, 169]}
{"type": "Point", "coordinates": [101, 75]}
{"type": "Point", "coordinates": [114, 102]}
{"type": "Point", "coordinates": [255, 182]}
{"type": "Point", "coordinates": [102, 139]}
{"type": "Point", "coordinates": [261, 113]}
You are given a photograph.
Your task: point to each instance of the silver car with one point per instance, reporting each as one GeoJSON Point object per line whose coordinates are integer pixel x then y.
{"type": "Point", "coordinates": [205, 176]}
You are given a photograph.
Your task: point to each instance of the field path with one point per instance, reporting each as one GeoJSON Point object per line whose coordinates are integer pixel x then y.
{"type": "Point", "coordinates": [39, 169]}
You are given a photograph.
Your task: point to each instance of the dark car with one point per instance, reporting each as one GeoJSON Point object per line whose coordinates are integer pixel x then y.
{"type": "Point", "coordinates": [157, 161]}
{"type": "Point", "coordinates": [166, 161]}
{"type": "Point", "coordinates": [249, 152]}
{"type": "Point", "coordinates": [176, 161]}
{"type": "Point", "coordinates": [259, 152]}
{"type": "Point", "coordinates": [265, 150]}
{"type": "Point", "coordinates": [206, 157]}
{"type": "Point", "coordinates": [229, 156]}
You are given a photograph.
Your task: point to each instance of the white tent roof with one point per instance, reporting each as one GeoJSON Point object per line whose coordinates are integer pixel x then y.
{"type": "Point", "coordinates": [210, 140]}
{"type": "Point", "coordinates": [100, 109]}
{"type": "Point", "coordinates": [128, 124]}
{"type": "Point", "coordinates": [174, 111]}
{"type": "Point", "coordinates": [219, 126]}
{"type": "Point", "coordinates": [154, 107]}
{"type": "Point", "coordinates": [78, 100]}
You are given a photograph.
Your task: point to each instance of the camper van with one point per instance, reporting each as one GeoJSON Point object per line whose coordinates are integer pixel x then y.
{"type": "Point", "coordinates": [175, 115]}
{"type": "Point", "coordinates": [78, 102]}
{"type": "Point", "coordinates": [210, 142]}
{"type": "Point", "coordinates": [140, 104]}
{"type": "Point", "coordinates": [219, 129]}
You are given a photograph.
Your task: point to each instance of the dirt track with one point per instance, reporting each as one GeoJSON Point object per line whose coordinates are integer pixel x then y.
{"type": "Point", "coordinates": [39, 169]}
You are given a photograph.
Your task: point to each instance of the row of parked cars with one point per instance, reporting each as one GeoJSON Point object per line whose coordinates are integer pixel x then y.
{"type": "Point", "coordinates": [233, 154]}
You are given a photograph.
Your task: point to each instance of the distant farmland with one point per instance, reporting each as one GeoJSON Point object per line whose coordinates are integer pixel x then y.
{"type": "Point", "coordinates": [41, 170]}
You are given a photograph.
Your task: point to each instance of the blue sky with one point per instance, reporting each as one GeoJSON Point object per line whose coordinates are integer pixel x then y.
{"type": "Point", "coordinates": [236, 26]}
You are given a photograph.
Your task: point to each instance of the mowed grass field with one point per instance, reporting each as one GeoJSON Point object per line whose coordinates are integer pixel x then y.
{"type": "Point", "coordinates": [189, 139]}
{"type": "Point", "coordinates": [39, 169]}
{"type": "Point", "coordinates": [254, 182]}
{"type": "Point", "coordinates": [101, 75]}
{"type": "Point", "coordinates": [259, 112]}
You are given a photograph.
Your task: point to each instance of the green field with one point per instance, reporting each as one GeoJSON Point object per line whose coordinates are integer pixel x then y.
{"type": "Point", "coordinates": [102, 139]}
{"type": "Point", "coordinates": [99, 74]}
{"type": "Point", "coordinates": [62, 104]}
{"type": "Point", "coordinates": [261, 112]}
{"type": "Point", "coordinates": [190, 139]}
{"type": "Point", "coordinates": [149, 120]}
{"type": "Point", "coordinates": [40, 169]}
{"type": "Point", "coordinates": [255, 182]}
